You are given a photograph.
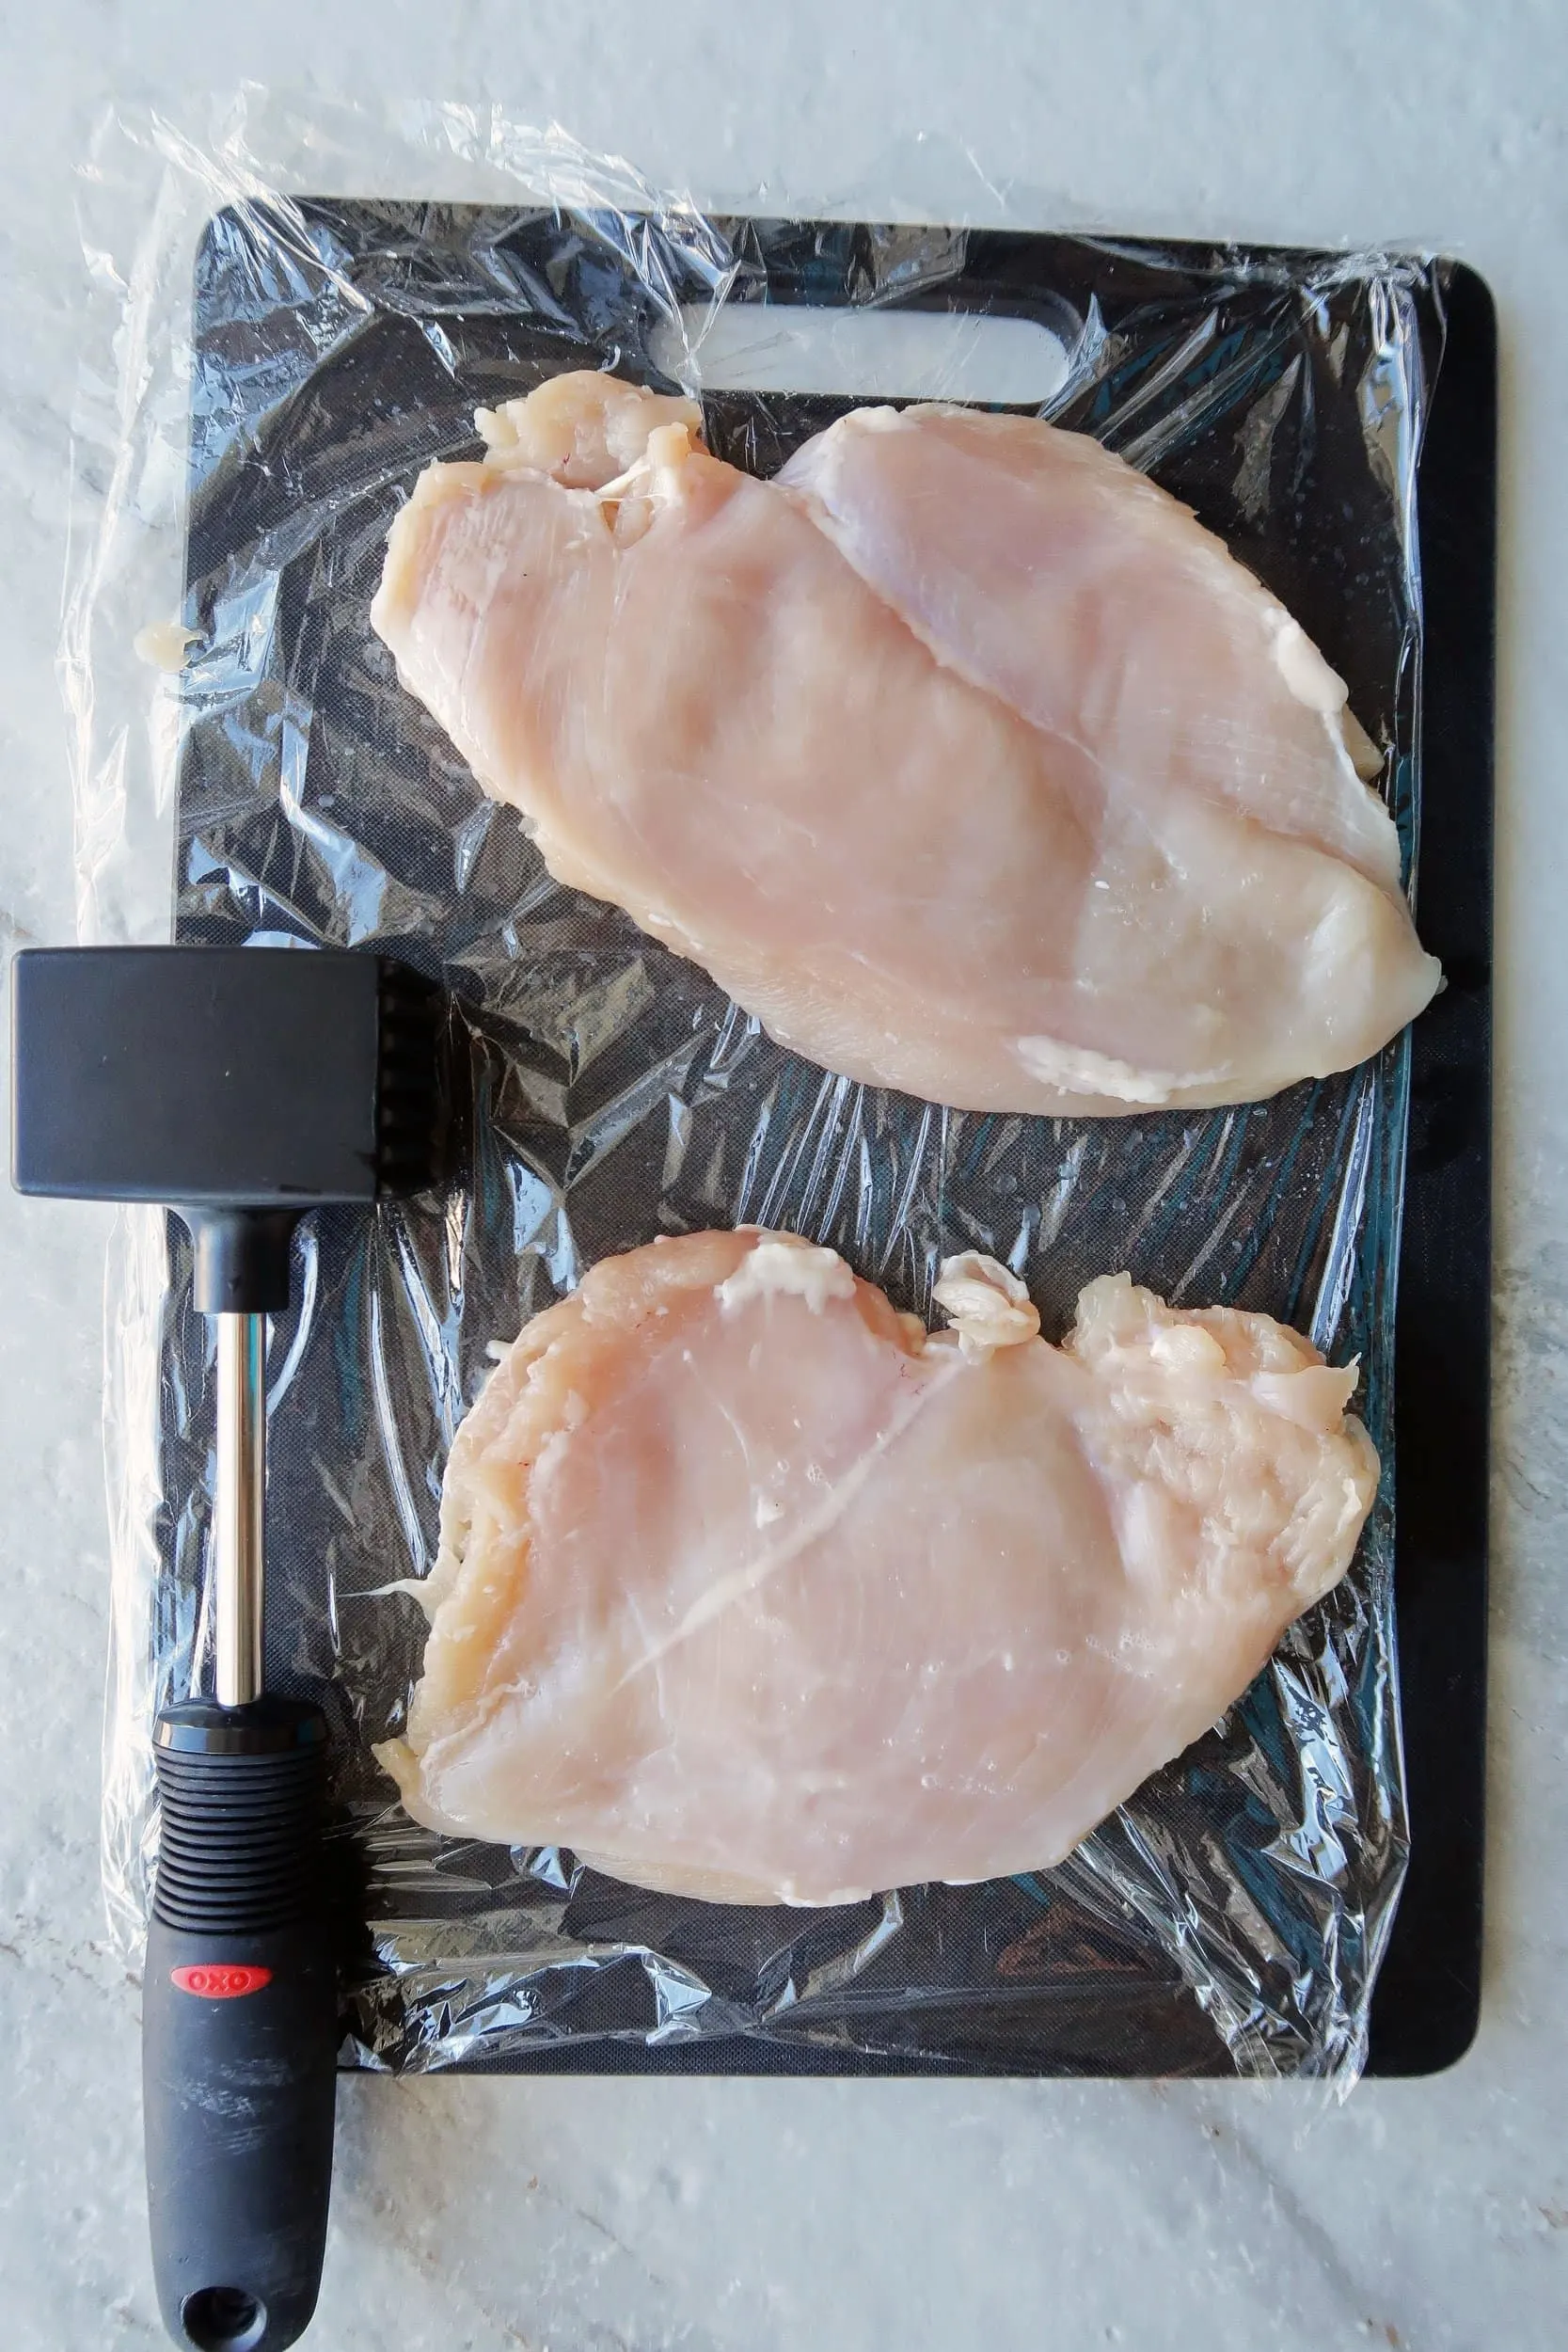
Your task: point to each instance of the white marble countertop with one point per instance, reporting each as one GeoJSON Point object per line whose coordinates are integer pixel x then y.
{"type": "Point", "coordinates": [739, 2217]}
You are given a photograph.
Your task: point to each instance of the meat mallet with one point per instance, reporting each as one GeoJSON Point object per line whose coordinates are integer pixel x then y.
{"type": "Point", "coordinates": [240, 1087]}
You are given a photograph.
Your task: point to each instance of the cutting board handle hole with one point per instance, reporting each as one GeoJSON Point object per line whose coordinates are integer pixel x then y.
{"type": "Point", "coordinates": [863, 353]}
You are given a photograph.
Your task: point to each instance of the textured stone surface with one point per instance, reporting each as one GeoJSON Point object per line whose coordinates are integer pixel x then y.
{"type": "Point", "coordinates": [757, 2218]}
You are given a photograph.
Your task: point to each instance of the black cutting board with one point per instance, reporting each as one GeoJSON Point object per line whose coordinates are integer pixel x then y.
{"type": "Point", "coordinates": [1427, 1998]}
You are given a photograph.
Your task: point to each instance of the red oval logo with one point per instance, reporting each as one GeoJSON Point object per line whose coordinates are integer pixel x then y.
{"type": "Point", "coordinates": [220, 1980]}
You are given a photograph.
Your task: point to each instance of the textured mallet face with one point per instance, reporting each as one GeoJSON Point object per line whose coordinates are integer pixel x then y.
{"type": "Point", "coordinates": [206, 1076]}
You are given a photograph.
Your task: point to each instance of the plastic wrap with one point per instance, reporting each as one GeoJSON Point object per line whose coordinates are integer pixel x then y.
{"type": "Point", "coordinates": [1231, 1915]}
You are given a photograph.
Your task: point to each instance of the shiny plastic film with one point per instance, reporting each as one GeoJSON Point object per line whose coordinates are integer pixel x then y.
{"type": "Point", "coordinates": [289, 318]}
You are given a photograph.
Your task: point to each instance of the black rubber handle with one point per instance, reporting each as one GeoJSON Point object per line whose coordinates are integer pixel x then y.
{"type": "Point", "coordinates": [239, 2027]}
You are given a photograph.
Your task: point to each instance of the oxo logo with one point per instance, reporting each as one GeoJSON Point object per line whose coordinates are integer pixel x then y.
{"type": "Point", "coordinates": [221, 1980]}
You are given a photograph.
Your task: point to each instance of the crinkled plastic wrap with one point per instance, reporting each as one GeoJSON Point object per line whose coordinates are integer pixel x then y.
{"type": "Point", "coordinates": [284, 365]}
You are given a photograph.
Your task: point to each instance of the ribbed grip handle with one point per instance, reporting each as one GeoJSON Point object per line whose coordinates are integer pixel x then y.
{"type": "Point", "coordinates": [239, 2027]}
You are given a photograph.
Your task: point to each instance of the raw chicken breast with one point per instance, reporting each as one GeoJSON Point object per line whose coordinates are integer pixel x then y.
{"type": "Point", "coordinates": [1023, 556]}
{"type": "Point", "coordinates": [751, 1589]}
{"type": "Point", "coordinates": [961, 754]}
